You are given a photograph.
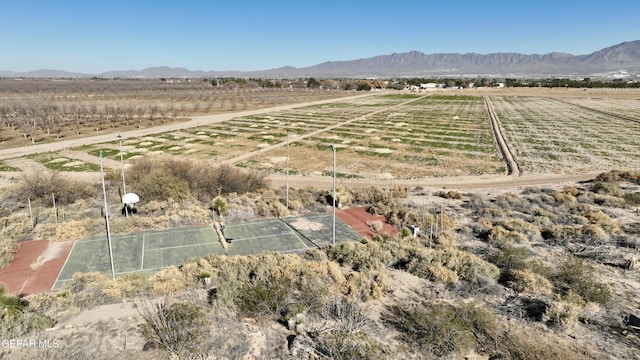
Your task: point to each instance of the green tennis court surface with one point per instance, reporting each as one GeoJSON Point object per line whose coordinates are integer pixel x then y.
{"type": "Point", "coordinates": [148, 252]}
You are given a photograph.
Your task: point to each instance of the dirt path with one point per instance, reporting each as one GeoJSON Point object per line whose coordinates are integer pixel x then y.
{"type": "Point", "coordinates": [513, 169]}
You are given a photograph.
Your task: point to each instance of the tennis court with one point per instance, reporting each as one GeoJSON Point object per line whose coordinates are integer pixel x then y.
{"type": "Point", "coordinates": [148, 252]}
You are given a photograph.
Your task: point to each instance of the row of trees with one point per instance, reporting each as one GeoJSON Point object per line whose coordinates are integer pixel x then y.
{"type": "Point", "coordinates": [572, 83]}
{"type": "Point", "coordinates": [38, 109]}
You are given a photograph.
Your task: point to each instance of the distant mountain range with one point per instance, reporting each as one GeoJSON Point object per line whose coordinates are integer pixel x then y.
{"type": "Point", "coordinates": [622, 60]}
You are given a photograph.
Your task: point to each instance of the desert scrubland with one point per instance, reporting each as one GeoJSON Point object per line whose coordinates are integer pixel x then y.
{"type": "Point", "coordinates": [535, 265]}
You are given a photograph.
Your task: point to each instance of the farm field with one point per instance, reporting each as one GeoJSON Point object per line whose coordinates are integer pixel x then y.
{"type": "Point", "coordinates": [552, 136]}
{"type": "Point", "coordinates": [43, 111]}
{"type": "Point", "coordinates": [393, 136]}
{"type": "Point", "coordinates": [385, 136]}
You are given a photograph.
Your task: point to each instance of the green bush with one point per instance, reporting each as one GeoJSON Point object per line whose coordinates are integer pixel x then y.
{"type": "Point", "coordinates": [632, 198]}
{"type": "Point", "coordinates": [442, 329]}
{"type": "Point", "coordinates": [179, 328]}
{"type": "Point", "coordinates": [263, 298]}
{"type": "Point", "coordinates": [17, 319]}
{"type": "Point", "coordinates": [25, 322]}
{"type": "Point", "coordinates": [606, 188]}
{"type": "Point", "coordinates": [160, 186]}
{"type": "Point", "coordinates": [468, 266]}
{"type": "Point", "coordinates": [511, 258]}
{"type": "Point", "coordinates": [577, 275]}
{"type": "Point", "coordinates": [359, 256]}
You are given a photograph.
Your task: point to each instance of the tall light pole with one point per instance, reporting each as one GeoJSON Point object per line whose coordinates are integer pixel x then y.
{"type": "Point", "coordinates": [106, 217]}
{"type": "Point", "coordinates": [334, 194]}
{"type": "Point", "coordinates": [287, 171]}
{"type": "Point", "coordinates": [124, 186]}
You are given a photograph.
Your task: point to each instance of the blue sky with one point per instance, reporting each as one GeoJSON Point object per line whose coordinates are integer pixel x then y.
{"type": "Point", "coordinates": [94, 36]}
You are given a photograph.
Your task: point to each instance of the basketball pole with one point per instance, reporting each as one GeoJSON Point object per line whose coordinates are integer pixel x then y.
{"type": "Point", "coordinates": [106, 216]}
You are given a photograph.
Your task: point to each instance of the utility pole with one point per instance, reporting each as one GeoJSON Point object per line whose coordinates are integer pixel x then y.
{"type": "Point", "coordinates": [124, 186]}
{"type": "Point", "coordinates": [334, 194]}
{"type": "Point", "coordinates": [287, 172]}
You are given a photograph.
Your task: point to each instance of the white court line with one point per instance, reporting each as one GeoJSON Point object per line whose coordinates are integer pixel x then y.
{"type": "Point", "coordinates": [142, 260]}
{"type": "Point", "coordinates": [259, 237]}
{"type": "Point", "coordinates": [275, 221]}
{"type": "Point", "coordinates": [105, 238]}
{"type": "Point", "coordinates": [63, 265]}
{"type": "Point", "coordinates": [184, 246]}
{"type": "Point", "coordinates": [294, 250]}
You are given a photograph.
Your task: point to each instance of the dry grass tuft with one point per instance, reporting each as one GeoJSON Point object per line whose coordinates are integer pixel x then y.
{"type": "Point", "coordinates": [527, 281]}
{"type": "Point", "coordinates": [168, 281]}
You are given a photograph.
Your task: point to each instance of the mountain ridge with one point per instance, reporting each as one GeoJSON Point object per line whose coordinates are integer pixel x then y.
{"type": "Point", "coordinates": [624, 56]}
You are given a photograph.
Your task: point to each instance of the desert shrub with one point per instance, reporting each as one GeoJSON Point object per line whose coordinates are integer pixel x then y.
{"type": "Point", "coordinates": [564, 199]}
{"type": "Point", "coordinates": [508, 201]}
{"type": "Point", "coordinates": [262, 298]}
{"type": "Point", "coordinates": [506, 231]}
{"type": "Point", "coordinates": [168, 281]}
{"type": "Point", "coordinates": [177, 327]}
{"type": "Point", "coordinates": [517, 344]}
{"type": "Point", "coordinates": [134, 285]}
{"type": "Point", "coordinates": [442, 329]}
{"type": "Point", "coordinates": [602, 220]}
{"type": "Point", "coordinates": [632, 198]}
{"type": "Point", "coordinates": [365, 285]}
{"type": "Point", "coordinates": [24, 323]}
{"type": "Point", "coordinates": [606, 188]}
{"type": "Point", "coordinates": [269, 204]}
{"type": "Point", "coordinates": [608, 200]}
{"type": "Point", "coordinates": [440, 273]}
{"type": "Point", "coordinates": [500, 236]}
{"type": "Point", "coordinates": [359, 256]}
{"type": "Point", "coordinates": [72, 230]}
{"type": "Point", "coordinates": [511, 258]}
{"type": "Point", "coordinates": [308, 283]}
{"type": "Point", "coordinates": [468, 266]}
{"type": "Point", "coordinates": [617, 175]}
{"type": "Point", "coordinates": [91, 289]}
{"type": "Point", "coordinates": [528, 281]}
{"type": "Point", "coordinates": [334, 344]}
{"type": "Point", "coordinates": [521, 273]}
{"type": "Point", "coordinates": [565, 310]}
{"type": "Point", "coordinates": [589, 234]}
{"type": "Point", "coordinates": [578, 276]}
{"type": "Point", "coordinates": [39, 185]}
{"type": "Point", "coordinates": [8, 248]}
{"type": "Point", "coordinates": [531, 232]}
{"type": "Point", "coordinates": [160, 185]}
{"type": "Point", "coordinates": [452, 194]}
{"type": "Point", "coordinates": [192, 179]}
{"type": "Point", "coordinates": [86, 290]}
{"type": "Point", "coordinates": [342, 330]}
